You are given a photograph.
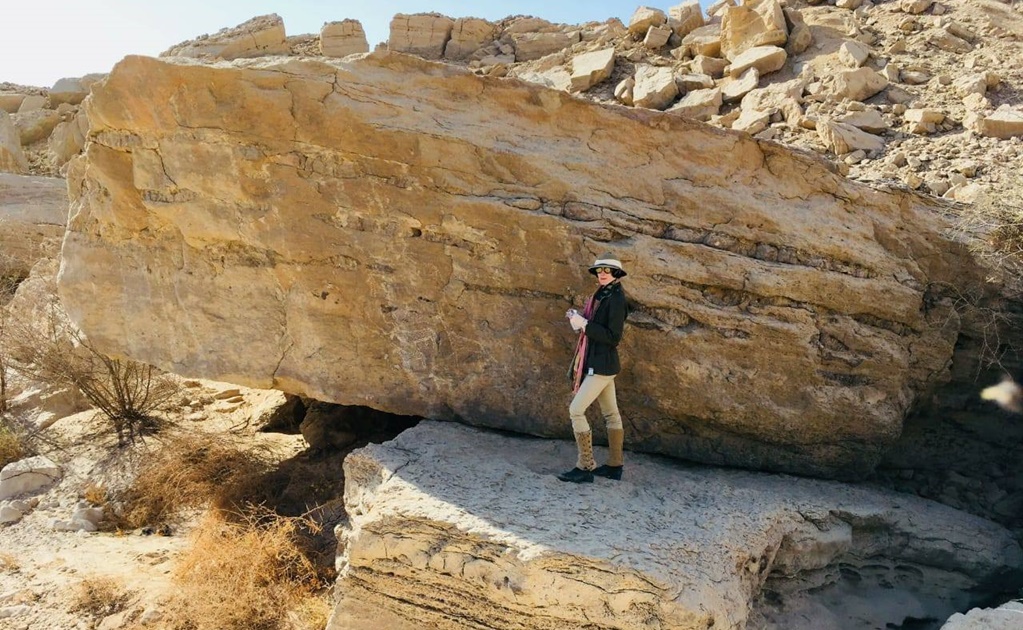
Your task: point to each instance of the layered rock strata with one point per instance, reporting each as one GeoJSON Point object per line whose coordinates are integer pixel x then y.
{"type": "Point", "coordinates": [404, 235]}
{"type": "Point", "coordinates": [33, 212]}
{"type": "Point", "coordinates": [262, 35]}
{"type": "Point", "coordinates": [452, 527]}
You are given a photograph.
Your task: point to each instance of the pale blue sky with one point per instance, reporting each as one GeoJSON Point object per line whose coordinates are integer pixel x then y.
{"type": "Point", "coordinates": [44, 40]}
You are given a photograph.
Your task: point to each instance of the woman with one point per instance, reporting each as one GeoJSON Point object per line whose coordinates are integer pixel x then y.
{"type": "Point", "coordinates": [594, 367]}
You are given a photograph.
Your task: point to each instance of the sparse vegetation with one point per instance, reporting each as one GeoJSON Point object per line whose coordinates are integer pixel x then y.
{"type": "Point", "coordinates": [45, 346]}
{"type": "Point", "coordinates": [995, 233]}
{"type": "Point", "coordinates": [250, 574]}
{"type": "Point", "coordinates": [100, 597]}
{"type": "Point", "coordinates": [12, 444]}
{"type": "Point", "coordinates": [9, 563]}
{"type": "Point", "coordinates": [189, 471]}
{"type": "Point", "coordinates": [9, 281]}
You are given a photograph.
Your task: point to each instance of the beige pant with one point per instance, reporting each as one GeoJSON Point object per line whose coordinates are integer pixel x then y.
{"type": "Point", "coordinates": [599, 388]}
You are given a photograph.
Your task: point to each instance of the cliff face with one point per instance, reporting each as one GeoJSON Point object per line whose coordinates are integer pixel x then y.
{"type": "Point", "coordinates": [406, 235]}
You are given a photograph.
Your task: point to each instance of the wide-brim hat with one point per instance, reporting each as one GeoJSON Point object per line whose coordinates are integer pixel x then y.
{"type": "Point", "coordinates": [608, 260]}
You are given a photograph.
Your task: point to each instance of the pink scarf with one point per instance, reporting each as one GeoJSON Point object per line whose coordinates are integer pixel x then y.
{"type": "Point", "coordinates": [580, 345]}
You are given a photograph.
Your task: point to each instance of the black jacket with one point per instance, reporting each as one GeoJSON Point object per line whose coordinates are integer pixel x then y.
{"type": "Point", "coordinates": [605, 329]}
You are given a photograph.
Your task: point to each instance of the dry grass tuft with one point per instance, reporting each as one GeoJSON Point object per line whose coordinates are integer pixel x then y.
{"type": "Point", "coordinates": [250, 574]}
{"type": "Point", "coordinates": [95, 494]}
{"type": "Point", "coordinates": [100, 597]}
{"type": "Point", "coordinates": [190, 471]}
{"type": "Point", "coordinates": [9, 563]}
{"type": "Point", "coordinates": [311, 612]}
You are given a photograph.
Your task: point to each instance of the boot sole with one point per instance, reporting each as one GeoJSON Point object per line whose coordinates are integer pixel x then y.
{"type": "Point", "coordinates": [583, 480]}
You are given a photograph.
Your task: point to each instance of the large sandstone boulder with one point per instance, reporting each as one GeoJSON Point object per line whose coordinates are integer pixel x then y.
{"type": "Point", "coordinates": [406, 235]}
{"type": "Point", "coordinates": [467, 36]}
{"type": "Point", "coordinates": [530, 46]}
{"type": "Point", "coordinates": [704, 40]}
{"type": "Point", "coordinates": [766, 59]}
{"type": "Point", "coordinates": [800, 36]}
{"type": "Point", "coordinates": [699, 104]}
{"type": "Point", "coordinates": [35, 125]}
{"type": "Point", "coordinates": [340, 39]}
{"type": "Point", "coordinates": [453, 528]}
{"type": "Point", "coordinates": [72, 90]}
{"type": "Point", "coordinates": [260, 36]}
{"type": "Point", "coordinates": [423, 34]}
{"type": "Point", "coordinates": [643, 18]}
{"type": "Point", "coordinates": [33, 102]}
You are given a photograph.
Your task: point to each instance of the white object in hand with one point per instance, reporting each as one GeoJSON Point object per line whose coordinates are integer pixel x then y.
{"type": "Point", "coordinates": [578, 321]}
{"type": "Point", "coordinates": [1006, 395]}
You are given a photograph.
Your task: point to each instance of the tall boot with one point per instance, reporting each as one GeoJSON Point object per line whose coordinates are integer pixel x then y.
{"type": "Point", "coordinates": [584, 465]}
{"type": "Point", "coordinates": [584, 442]}
{"type": "Point", "coordinates": [615, 455]}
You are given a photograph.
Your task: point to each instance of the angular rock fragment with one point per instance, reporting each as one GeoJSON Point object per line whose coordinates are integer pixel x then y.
{"type": "Point", "coordinates": [751, 24]}
{"type": "Point", "coordinates": [655, 87]}
{"type": "Point", "coordinates": [699, 104]}
{"type": "Point", "coordinates": [1005, 122]}
{"type": "Point", "coordinates": [859, 84]}
{"type": "Point", "coordinates": [686, 17]}
{"type": "Point", "coordinates": [467, 36]}
{"type": "Point", "coordinates": [766, 59]}
{"type": "Point", "coordinates": [589, 69]}
{"type": "Point", "coordinates": [643, 18]}
{"type": "Point", "coordinates": [841, 138]}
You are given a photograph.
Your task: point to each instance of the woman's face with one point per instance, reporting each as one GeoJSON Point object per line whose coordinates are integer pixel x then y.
{"type": "Point", "coordinates": [604, 276]}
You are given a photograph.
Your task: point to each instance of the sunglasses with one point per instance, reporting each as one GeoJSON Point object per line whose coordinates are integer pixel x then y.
{"type": "Point", "coordinates": [609, 270]}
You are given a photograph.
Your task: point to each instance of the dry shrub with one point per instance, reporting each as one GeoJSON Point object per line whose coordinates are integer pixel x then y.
{"type": "Point", "coordinates": [13, 445]}
{"type": "Point", "coordinates": [40, 342]}
{"type": "Point", "coordinates": [100, 597]}
{"type": "Point", "coordinates": [191, 471]}
{"type": "Point", "coordinates": [994, 232]}
{"type": "Point", "coordinates": [249, 574]}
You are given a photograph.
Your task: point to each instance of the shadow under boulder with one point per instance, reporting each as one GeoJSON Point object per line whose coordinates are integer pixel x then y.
{"type": "Point", "coordinates": [327, 426]}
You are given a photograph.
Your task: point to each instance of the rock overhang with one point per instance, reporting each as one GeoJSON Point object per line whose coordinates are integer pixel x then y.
{"type": "Point", "coordinates": [391, 232]}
